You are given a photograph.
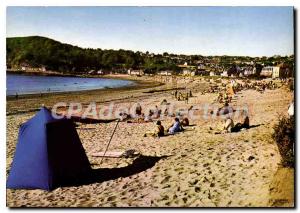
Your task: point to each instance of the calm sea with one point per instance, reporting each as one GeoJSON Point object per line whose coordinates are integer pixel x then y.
{"type": "Point", "coordinates": [28, 84]}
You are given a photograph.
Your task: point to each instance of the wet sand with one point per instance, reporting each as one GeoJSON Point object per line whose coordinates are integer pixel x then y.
{"type": "Point", "coordinates": [194, 168]}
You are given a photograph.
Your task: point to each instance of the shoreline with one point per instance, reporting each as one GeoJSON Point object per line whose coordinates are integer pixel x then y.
{"type": "Point", "coordinates": [32, 102]}
{"type": "Point", "coordinates": [138, 84]}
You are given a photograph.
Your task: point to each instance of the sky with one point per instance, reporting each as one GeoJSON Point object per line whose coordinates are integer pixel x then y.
{"type": "Point", "coordinates": [238, 31]}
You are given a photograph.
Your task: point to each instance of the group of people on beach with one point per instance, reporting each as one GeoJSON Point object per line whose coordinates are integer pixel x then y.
{"type": "Point", "coordinates": [141, 117]}
{"type": "Point", "coordinates": [155, 113]}
{"type": "Point", "coordinates": [182, 97]}
{"type": "Point", "coordinates": [229, 126]}
{"type": "Point", "coordinates": [225, 97]}
{"type": "Point", "coordinates": [225, 91]}
{"type": "Point", "coordinates": [176, 127]}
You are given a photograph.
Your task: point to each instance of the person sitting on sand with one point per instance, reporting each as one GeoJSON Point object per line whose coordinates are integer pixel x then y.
{"type": "Point", "coordinates": [138, 109]}
{"type": "Point", "coordinates": [220, 97]}
{"type": "Point", "coordinates": [228, 125]}
{"type": "Point", "coordinates": [156, 113]}
{"type": "Point", "coordinates": [185, 122]}
{"type": "Point", "coordinates": [186, 98]}
{"type": "Point", "coordinates": [159, 131]}
{"type": "Point", "coordinates": [164, 102]}
{"type": "Point", "coordinates": [175, 127]}
{"type": "Point", "coordinates": [166, 112]}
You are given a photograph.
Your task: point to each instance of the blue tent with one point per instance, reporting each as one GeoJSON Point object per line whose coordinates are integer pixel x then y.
{"type": "Point", "coordinates": [48, 154]}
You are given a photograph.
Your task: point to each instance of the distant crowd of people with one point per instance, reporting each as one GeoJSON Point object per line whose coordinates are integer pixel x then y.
{"type": "Point", "coordinates": [177, 126]}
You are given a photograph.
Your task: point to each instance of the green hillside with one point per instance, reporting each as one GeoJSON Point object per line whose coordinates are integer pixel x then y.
{"type": "Point", "coordinates": [40, 51]}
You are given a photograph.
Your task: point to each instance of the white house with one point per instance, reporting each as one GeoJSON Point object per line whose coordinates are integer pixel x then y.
{"type": "Point", "coordinates": [224, 74]}
{"type": "Point", "coordinates": [270, 71]}
{"type": "Point", "coordinates": [212, 73]}
{"type": "Point", "coordinates": [135, 72]}
{"type": "Point", "coordinates": [276, 72]}
{"type": "Point", "coordinates": [249, 71]}
{"type": "Point", "coordinates": [43, 69]}
{"type": "Point", "coordinates": [100, 72]}
{"type": "Point", "coordinates": [201, 66]}
{"type": "Point", "coordinates": [166, 72]}
{"type": "Point", "coordinates": [189, 72]}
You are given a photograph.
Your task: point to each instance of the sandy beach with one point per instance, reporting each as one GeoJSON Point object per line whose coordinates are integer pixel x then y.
{"type": "Point", "coordinates": [194, 168]}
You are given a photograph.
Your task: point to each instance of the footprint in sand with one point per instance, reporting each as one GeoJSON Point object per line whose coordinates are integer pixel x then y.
{"type": "Point", "coordinates": [197, 189]}
{"type": "Point", "coordinates": [166, 179]}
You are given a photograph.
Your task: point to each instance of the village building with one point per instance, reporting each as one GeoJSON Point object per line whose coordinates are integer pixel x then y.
{"type": "Point", "coordinates": [249, 71]}
{"type": "Point", "coordinates": [91, 72]}
{"type": "Point", "coordinates": [203, 72]}
{"type": "Point", "coordinates": [186, 66]}
{"type": "Point", "coordinates": [43, 69]}
{"type": "Point", "coordinates": [270, 71]}
{"type": "Point", "coordinates": [276, 72]}
{"type": "Point", "coordinates": [224, 74]}
{"type": "Point", "coordinates": [201, 66]}
{"type": "Point", "coordinates": [135, 72]}
{"type": "Point", "coordinates": [189, 72]}
{"type": "Point", "coordinates": [165, 72]}
{"type": "Point", "coordinates": [283, 72]}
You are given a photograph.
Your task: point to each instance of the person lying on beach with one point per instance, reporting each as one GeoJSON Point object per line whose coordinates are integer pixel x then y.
{"type": "Point", "coordinates": [141, 119]}
{"type": "Point", "coordinates": [226, 109]}
{"type": "Point", "coordinates": [175, 127]}
{"type": "Point", "coordinates": [245, 124]}
{"type": "Point", "coordinates": [159, 131]}
{"type": "Point", "coordinates": [124, 116]}
{"type": "Point", "coordinates": [147, 118]}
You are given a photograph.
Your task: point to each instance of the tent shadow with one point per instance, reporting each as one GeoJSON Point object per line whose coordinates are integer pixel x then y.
{"type": "Point", "coordinates": [139, 164]}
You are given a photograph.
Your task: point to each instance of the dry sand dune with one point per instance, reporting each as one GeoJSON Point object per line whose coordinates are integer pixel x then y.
{"type": "Point", "coordinates": [195, 168]}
